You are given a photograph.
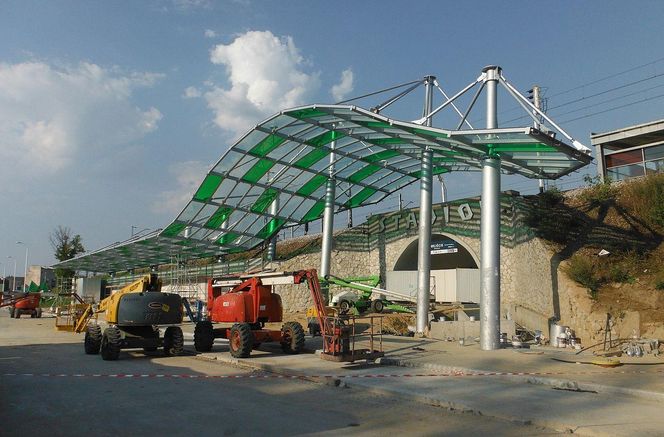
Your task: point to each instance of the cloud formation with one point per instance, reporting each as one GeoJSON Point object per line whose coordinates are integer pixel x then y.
{"type": "Point", "coordinates": [345, 86]}
{"type": "Point", "coordinates": [49, 115]}
{"type": "Point", "coordinates": [265, 74]}
{"type": "Point", "coordinates": [188, 176]}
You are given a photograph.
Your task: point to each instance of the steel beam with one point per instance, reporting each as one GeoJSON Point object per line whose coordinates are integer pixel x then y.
{"type": "Point", "coordinates": [424, 239]}
{"type": "Point", "coordinates": [490, 228]}
{"type": "Point", "coordinates": [328, 225]}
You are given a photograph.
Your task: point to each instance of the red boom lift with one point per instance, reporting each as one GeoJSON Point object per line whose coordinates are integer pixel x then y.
{"type": "Point", "coordinates": [249, 302]}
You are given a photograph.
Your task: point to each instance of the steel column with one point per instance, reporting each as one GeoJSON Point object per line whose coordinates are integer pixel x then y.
{"type": "Point", "coordinates": [272, 246]}
{"type": "Point", "coordinates": [328, 225]}
{"type": "Point", "coordinates": [490, 228]}
{"type": "Point", "coordinates": [424, 238]}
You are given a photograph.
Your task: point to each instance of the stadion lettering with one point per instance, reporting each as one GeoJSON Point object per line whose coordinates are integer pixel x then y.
{"type": "Point", "coordinates": [410, 219]}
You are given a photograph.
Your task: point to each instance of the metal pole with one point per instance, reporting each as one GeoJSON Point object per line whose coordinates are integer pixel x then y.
{"type": "Point", "coordinates": [538, 104]}
{"type": "Point", "coordinates": [490, 228]}
{"type": "Point", "coordinates": [350, 210]}
{"type": "Point", "coordinates": [14, 281]}
{"type": "Point", "coordinates": [328, 223]}
{"type": "Point", "coordinates": [4, 277]}
{"type": "Point", "coordinates": [272, 245]}
{"type": "Point", "coordinates": [424, 238]}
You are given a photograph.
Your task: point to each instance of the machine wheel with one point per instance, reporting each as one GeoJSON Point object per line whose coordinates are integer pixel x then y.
{"type": "Point", "coordinates": [17, 313]}
{"type": "Point", "coordinates": [155, 331]}
{"type": "Point", "coordinates": [92, 339]}
{"type": "Point", "coordinates": [344, 306]}
{"type": "Point", "coordinates": [377, 306]}
{"type": "Point", "coordinates": [203, 336]}
{"type": "Point", "coordinates": [110, 344]}
{"type": "Point", "coordinates": [241, 340]}
{"type": "Point", "coordinates": [11, 312]}
{"type": "Point", "coordinates": [38, 312]}
{"type": "Point", "coordinates": [292, 338]}
{"type": "Point", "coordinates": [173, 341]}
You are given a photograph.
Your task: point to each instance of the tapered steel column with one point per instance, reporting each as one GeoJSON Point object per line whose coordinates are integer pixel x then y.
{"type": "Point", "coordinates": [490, 228]}
{"type": "Point", "coordinates": [328, 225]}
{"type": "Point", "coordinates": [424, 238]}
{"type": "Point", "coordinates": [272, 247]}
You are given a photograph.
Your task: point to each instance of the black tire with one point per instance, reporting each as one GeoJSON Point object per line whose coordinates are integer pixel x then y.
{"type": "Point", "coordinates": [241, 340]}
{"type": "Point", "coordinates": [292, 338]}
{"type": "Point", "coordinates": [33, 314]}
{"type": "Point", "coordinates": [17, 313]}
{"type": "Point", "coordinates": [110, 344]}
{"type": "Point", "coordinates": [155, 335]}
{"type": "Point", "coordinates": [344, 306]}
{"type": "Point", "coordinates": [173, 341]}
{"type": "Point", "coordinates": [377, 306]}
{"type": "Point", "coordinates": [203, 336]}
{"type": "Point", "coordinates": [93, 339]}
{"type": "Point", "coordinates": [11, 312]}
{"type": "Point", "coordinates": [39, 313]}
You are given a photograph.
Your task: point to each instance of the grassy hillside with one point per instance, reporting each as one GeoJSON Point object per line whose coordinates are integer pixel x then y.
{"type": "Point", "coordinates": [625, 219]}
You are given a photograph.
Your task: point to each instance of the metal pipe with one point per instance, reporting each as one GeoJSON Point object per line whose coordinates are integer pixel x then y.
{"type": "Point", "coordinates": [424, 239]}
{"type": "Point", "coordinates": [490, 228]}
{"type": "Point", "coordinates": [328, 222]}
{"type": "Point", "coordinates": [424, 243]}
{"type": "Point", "coordinates": [272, 246]}
{"type": "Point", "coordinates": [456, 96]}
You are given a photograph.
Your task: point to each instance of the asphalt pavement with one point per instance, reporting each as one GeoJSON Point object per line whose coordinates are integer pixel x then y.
{"type": "Point", "coordinates": [544, 386]}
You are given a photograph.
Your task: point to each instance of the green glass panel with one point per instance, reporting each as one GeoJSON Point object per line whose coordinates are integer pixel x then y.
{"type": "Point", "coordinates": [267, 145]}
{"type": "Point", "coordinates": [435, 171]}
{"type": "Point", "coordinates": [264, 201]}
{"type": "Point", "coordinates": [380, 156]}
{"type": "Point", "coordinates": [306, 113]}
{"type": "Point", "coordinates": [315, 211]}
{"type": "Point", "coordinates": [270, 228]}
{"type": "Point", "coordinates": [219, 217]}
{"type": "Point", "coordinates": [428, 133]}
{"type": "Point", "coordinates": [443, 159]}
{"type": "Point", "coordinates": [124, 251]}
{"type": "Point", "coordinates": [523, 147]}
{"type": "Point", "coordinates": [325, 138]}
{"type": "Point", "coordinates": [311, 186]}
{"type": "Point", "coordinates": [208, 188]}
{"type": "Point", "coordinates": [381, 141]}
{"type": "Point", "coordinates": [363, 173]}
{"type": "Point", "coordinates": [227, 238]}
{"type": "Point", "coordinates": [375, 124]}
{"type": "Point", "coordinates": [311, 158]}
{"type": "Point", "coordinates": [258, 171]}
{"type": "Point", "coordinates": [360, 197]}
{"type": "Point", "coordinates": [173, 229]}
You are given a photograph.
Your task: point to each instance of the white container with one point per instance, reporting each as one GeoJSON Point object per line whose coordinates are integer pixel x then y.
{"type": "Point", "coordinates": [555, 332]}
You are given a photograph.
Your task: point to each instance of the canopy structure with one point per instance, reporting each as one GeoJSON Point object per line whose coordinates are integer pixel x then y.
{"type": "Point", "coordinates": [284, 162]}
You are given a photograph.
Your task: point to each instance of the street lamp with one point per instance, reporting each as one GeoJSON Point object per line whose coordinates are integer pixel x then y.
{"type": "Point", "coordinates": [25, 275]}
{"type": "Point", "coordinates": [14, 283]}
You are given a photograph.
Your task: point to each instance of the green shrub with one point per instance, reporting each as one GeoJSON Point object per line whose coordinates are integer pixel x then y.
{"type": "Point", "coordinates": [582, 270]}
{"type": "Point", "coordinates": [598, 192]}
{"type": "Point", "coordinates": [645, 198]}
{"type": "Point", "coordinates": [617, 273]}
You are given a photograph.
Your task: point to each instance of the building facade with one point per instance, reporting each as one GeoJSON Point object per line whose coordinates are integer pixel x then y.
{"type": "Point", "coordinates": [630, 152]}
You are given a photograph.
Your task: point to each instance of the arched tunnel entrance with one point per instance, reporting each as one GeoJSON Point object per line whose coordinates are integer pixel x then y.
{"type": "Point", "coordinates": [454, 270]}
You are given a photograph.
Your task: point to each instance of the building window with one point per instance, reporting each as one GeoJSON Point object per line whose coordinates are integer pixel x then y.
{"type": "Point", "coordinates": [624, 172]}
{"type": "Point", "coordinates": [656, 166]}
{"type": "Point", "coordinates": [623, 158]}
{"type": "Point", "coordinates": [655, 152]}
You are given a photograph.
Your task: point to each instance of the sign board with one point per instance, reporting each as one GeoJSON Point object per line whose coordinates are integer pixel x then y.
{"type": "Point", "coordinates": [444, 246]}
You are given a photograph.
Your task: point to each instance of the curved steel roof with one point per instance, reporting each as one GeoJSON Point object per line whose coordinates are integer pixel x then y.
{"type": "Point", "coordinates": [286, 159]}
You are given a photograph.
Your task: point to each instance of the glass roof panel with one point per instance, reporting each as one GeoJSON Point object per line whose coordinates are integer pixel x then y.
{"type": "Point", "coordinates": [286, 157]}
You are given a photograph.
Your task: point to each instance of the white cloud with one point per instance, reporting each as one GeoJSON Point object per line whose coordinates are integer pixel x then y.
{"type": "Point", "coordinates": [192, 92]}
{"type": "Point", "coordinates": [265, 74]}
{"type": "Point", "coordinates": [50, 116]}
{"type": "Point", "coordinates": [188, 176]}
{"type": "Point", "coordinates": [345, 86]}
{"type": "Point", "coordinates": [209, 33]}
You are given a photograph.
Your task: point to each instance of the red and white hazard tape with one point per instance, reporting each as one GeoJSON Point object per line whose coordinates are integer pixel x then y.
{"type": "Point", "coordinates": [277, 376]}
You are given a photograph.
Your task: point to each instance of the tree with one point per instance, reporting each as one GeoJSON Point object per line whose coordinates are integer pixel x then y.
{"type": "Point", "coordinates": [65, 246]}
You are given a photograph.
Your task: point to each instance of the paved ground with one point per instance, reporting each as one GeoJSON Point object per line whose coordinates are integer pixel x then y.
{"type": "Point", "coordinates": [526, 386]}
{"type": "Point", "coordinates": [48, 386]}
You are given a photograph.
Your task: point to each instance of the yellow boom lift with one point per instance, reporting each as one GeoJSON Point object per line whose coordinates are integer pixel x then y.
{"type": "Point", "coordinates": [134, 314]}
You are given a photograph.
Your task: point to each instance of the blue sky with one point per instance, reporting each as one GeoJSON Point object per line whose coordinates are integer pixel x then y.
{"type": "Point", "coordinates": [111, 112]}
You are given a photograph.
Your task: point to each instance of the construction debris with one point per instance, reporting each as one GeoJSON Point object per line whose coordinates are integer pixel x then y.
{"type": "Point", "coordinates": [398, 324]}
